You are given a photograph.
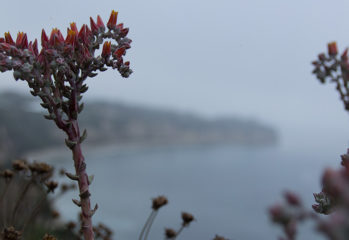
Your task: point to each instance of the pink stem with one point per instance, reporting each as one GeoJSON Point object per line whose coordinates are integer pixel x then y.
{"type": "Point", "coordinates": [80, 169]}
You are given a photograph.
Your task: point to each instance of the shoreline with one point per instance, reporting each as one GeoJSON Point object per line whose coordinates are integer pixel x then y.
{"type": "Point", "coordinates": [52, 152]}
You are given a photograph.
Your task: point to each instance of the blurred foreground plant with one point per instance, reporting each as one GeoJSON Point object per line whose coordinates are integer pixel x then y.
{"type": "Point", "coordinates": [333, 200]}
{"type": "Point", "coordinates": [24, 201]}
{"type": "Point", "coordinates": [57, 74]}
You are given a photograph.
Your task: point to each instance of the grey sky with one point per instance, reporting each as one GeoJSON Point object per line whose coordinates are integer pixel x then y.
{"type": "Point", "coordinates": [247, 58]}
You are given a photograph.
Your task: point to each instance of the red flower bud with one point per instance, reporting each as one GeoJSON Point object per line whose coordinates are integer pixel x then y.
{"type": "Point", "coordinates": [2, 40]}
{"type": "Point", "coordinates": [22, 41]}
{"type": "Point", "coordinates": [94, 27]}
{"type": "Point", "coordinates": [44, 39]}
{"type": "Point", "coordinates": [84, 34]}
{"type": "Point", "coordinates": [322, 57]}
{"type": "Point", "coordinates": [33, 47]}
{"type": "Point", "coordinates": [41, 57]}
{"type": "Point", "coordinates": [119, 52]}
{"type": "Point", "coordinates": [106, 49]}
{"type": "Point", "coordinates": [344, 55]}
{"type": "Point", "coordinates": [100, 23]}
{"type": "Point", "coordinates": [8, 38]}
{"type": "Point", "coordinates": [56, 37]}
{"type": "Point", "coordinates": [5, 47]}
{"type": "Point", "coordinates": [124, 32]}
{"type": "Point", "coordinates": [112, 20]}
{"type": "Point", "coordinates": [332, 49]}
{"type": "Point", "coordinates": [86, 53]}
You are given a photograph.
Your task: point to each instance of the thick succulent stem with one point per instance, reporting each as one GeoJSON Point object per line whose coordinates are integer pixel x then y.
{"type": "Point", "coordinates": [80, 170]}
{"type": "Point", "coordinates": [56, 74]}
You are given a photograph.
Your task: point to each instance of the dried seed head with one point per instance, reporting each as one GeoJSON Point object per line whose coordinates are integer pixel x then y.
{"type": "Point", "coordinates": [10, 233]}
{"type": "Point", "coordinates": [49, 237]}
{"type": "Point", "coordinates": [62, 172]}
{"type": "Point", "coordinates": [55, 214]}
{"type": "Point", "coordinates": [170, 233]}
{"type": "Point", "coordinates": [64, 187]}
{"type": "Point", "coordinates": [71, 225]}
{"type": "Point", "coordinates": [7, 174]}
{"type": "Point", "coordinates": [159, 202]}
{"type": "Point", "coordinates": [51, 186]}
{"type": "Point", "coordinates": [187, 218]}
{"type": "Point", "coordinates": [20, 165]}
{"type": "Point", "coordinates": [217, 237]}
{"type": "Point", "coordinates": [105, 228]}
{"type": "Point", "coordinates": [40, 168]}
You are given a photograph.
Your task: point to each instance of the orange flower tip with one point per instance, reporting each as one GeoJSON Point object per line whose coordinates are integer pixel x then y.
{"type": "Point", "coordinates": [112, 20]}
{"type": "Point", "coordinates": [71, 33]}
{"type": "Point", "coordinates": [8, 38]}
{"type": "Point", "coordinates": [22, 40]}
{"type": "Point", "coordinates": [73, 27]}
{"type": "Point", "coordinates": [332, 48]}
{"type": "Point", "coordinates": [70, 36]}
{"type": "Point", "coordinates": [106, 49]}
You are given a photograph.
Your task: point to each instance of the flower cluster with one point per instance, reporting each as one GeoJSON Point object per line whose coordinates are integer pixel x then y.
{"type": "Point", "coordinates": [334, 68]}
{"type": "Point", "coordinates": [288, 214]}
{"type": "Point", "coordinates": [333, 200]}
{"type": "Point", "coordinates": [58, 70]}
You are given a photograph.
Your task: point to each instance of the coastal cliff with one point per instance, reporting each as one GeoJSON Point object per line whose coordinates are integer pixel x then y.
{"type": "Point", "coordinates": [23, 128]}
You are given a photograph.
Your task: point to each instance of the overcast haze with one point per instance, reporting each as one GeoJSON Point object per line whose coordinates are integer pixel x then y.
{"type": "Point", "coordinates": [239, 58]}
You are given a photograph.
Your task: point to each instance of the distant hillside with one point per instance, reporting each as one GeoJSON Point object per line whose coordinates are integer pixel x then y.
{"type": "Point", "coordinates": [23, 128]}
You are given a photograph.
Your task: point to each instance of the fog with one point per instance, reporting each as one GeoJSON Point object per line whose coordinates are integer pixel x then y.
{"type": "Point", "coordinates": [214, 58]}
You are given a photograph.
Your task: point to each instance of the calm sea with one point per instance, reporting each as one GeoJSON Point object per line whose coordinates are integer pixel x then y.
{"type": "Point", "coordinates": [228, 189]}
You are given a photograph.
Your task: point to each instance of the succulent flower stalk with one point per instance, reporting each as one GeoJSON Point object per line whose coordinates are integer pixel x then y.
{"type": "Point", "coordinates": [56, 74]}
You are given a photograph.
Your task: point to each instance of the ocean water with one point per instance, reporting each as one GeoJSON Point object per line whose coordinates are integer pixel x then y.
{"type": "Point", "coordinates": [228, 189]}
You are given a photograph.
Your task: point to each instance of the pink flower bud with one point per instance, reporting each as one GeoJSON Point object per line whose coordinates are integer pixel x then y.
{"type": "Point", "coordinates": [292, 199]}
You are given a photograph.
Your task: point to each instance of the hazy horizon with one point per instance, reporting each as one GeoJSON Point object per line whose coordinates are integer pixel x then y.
{"type": "Point", "coordinates": [236, 58]}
